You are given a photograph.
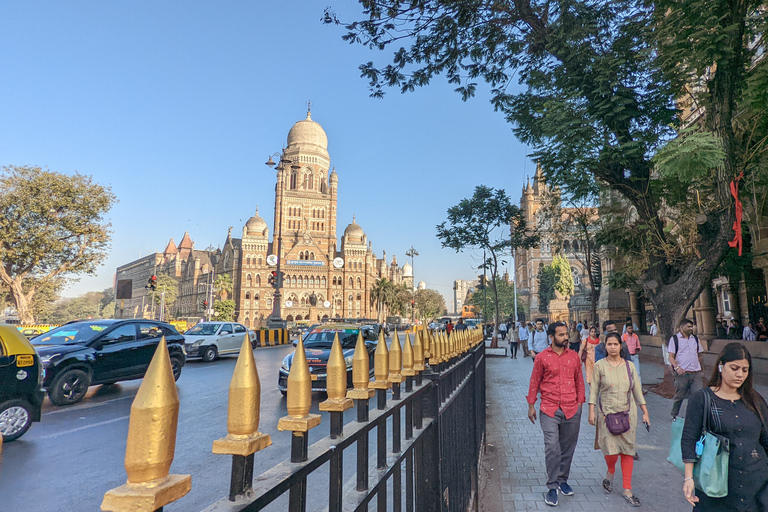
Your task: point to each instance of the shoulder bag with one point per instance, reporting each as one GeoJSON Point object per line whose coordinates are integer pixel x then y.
{"type": "Point", "coordinates": [618, 422]}
{"type": "Point", "coordinates": [710, 471]}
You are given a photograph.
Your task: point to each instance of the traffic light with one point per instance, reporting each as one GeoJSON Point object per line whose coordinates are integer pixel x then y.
{"type": "Point", "coordinates": [151, 283]}
{"type": "Point", "coordinates": [205, 304]}
{"type": "Point", "coordinates": [280, 277]}
{"type": "Point", "coordinates": [481, 286]}
{"type": "Point", "coordinates": [272, 279]}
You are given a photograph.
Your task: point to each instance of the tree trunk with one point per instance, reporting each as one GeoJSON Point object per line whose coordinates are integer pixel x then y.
{"type": "Point", "coordinates": [22, 302]}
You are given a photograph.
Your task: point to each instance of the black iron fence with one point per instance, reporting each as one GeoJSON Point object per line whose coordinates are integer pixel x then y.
{"type": "Point", "coordinates": [417, 450]}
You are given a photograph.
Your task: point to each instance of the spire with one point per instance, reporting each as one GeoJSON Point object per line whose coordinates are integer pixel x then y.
{"type": "Point", "coordinates": [309, 110]}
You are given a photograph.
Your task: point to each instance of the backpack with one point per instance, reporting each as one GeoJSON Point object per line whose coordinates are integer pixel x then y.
{"type": "Point", "coordinates": [698, 344]}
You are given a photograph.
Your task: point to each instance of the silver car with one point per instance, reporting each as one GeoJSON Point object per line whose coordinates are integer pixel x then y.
{"type": "Point", "coordinates": [209, 340]}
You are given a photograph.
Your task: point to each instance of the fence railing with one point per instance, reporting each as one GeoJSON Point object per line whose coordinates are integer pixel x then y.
{"type": "Point", "coordinates": [426, 431]}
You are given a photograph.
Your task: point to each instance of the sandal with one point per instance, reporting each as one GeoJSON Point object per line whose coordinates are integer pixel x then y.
{"type": "Point", "coordinates": [607, 485]}
{"type": "Point", "coordinates": [632, 500]}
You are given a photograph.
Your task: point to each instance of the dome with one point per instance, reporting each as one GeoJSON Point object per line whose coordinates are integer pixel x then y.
{"type": "Point", "coordinates": [422, 285]}
{"type": "Point", "coordinates": [407, 270]}
{"type": "Point", "coordinates": [309, 132]}
{"type": "Point", "coordinates": [255, 225]}
{"type": "Point", "coordinates": [354, 230]}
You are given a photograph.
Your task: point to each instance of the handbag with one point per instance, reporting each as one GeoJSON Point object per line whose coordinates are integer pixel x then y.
{"type": "Point", "coordinates": [618, 422]}
{"type": "Point", "coordinates": [584, 356]}
{"type": "Point", "coordinates": [710, 471]}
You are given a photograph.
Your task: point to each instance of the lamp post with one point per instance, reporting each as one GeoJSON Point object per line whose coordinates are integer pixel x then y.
{"type": "Point", "coordinates": [413, 252]}
{"type": "Point", "coordinates": [275, 320]}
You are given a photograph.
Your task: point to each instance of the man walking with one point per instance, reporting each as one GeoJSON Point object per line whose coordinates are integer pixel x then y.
{"type": "Point", "coordinates": [522, 334]}
{"type": "Point", "coordinates": [538, 340]}
{"type": "Point", "coordinates": [557, 377]}
{"type": "Point", "coordinates": [685, 357]}
{"type": "Point", "coordinates": [632, 340]}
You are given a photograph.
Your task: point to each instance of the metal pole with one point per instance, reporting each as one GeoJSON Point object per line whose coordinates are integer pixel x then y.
{"type": "Point", "coordinates": [514, 279]}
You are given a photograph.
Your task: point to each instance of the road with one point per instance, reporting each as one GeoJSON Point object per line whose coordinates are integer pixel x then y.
{"type": "Point", "coordinates": [75, 454]}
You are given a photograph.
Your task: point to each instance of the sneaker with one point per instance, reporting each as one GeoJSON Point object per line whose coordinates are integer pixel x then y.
{"type": "Point", "coordinates": [566, 489]}
{"type": "Point", "coordinates": [551, 498]}
{"type": "Point", "coordinates": [632, 500]}
{"type": "Point", "coordinates": [607, 485]}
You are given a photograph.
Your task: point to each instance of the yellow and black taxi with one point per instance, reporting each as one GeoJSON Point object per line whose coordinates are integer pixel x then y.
{"type": "Point", "coordinates": [21, 379]}
{"type": "Point", "coordinates": [317, 344]}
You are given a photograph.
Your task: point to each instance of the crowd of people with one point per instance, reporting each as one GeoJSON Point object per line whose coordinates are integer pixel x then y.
{"type": "Point", "coordinates": [574, 364]}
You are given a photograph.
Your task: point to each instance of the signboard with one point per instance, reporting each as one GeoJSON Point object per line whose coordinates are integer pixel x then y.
{"type": "Point", "coordinates": [272, 260]}
{"type": "Point", "coordinates": [124, 289]}
{"type": "Point", "coordinates": [306, 263]}
{"type": "Point", "coordinates": [327, 304]}
{"type": "Point", "coordinates": [289, 303]}
{"type": "Point", "coordinates": [338, 262]}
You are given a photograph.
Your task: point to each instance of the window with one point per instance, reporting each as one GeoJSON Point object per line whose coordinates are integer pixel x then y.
{"type": "Point", "coordinates": [247, 295]}
{"type": "Point", "coordinates": [258, 280]}
{"type": "Point", "coordinates": [358, 296]}
{"type": "Point", "coordinates": [312, 256]}
{"type": "Point", "coordinates": [248, 281]}
{"type": "Point", "coordinates": [239, 329]}
{"type": "Point", "coordinates": [351, 283]}
{"type": "Point", "coordinates": [122, 334]}
{"type": "Point", "coordinates": [726, 302]}
{"type": "Point", "coordinates": [359, 285]}
{"type": "Point", "coordinates": [259, 260]}
{"type": "Point", "coordinates": [225, 329]}
{"type": "Point", "coordinates": [147, 331]}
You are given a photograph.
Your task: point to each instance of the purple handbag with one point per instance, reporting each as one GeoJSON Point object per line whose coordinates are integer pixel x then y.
{"type": "Point", "coordinates": [618, 422]}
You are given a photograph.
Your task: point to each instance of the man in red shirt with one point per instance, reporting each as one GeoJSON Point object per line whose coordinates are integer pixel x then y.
{"type": "Point", "coordinates": [557, 376]}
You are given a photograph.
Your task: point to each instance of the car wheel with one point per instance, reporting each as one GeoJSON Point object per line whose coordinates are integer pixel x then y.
{"type": "Point", "coordinates": [210, 354]}
{"type": "Point", "coordinates": [176, 366]}
{"type": "Point", "coordinates": [70, 387]}
{"type": "Point", "coordinates": [15, 419]}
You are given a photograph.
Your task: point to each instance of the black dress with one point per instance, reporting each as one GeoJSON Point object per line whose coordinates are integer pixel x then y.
{"type": "Point", "coordinates": [747, 464]}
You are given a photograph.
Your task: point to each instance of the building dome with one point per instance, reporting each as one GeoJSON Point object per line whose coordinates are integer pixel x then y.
{"type": "Point", "coordinates": [256, 225]}
{"type": "Point", "coordinates": [407, 270]}
{"type": "Point", "coordinates": [308, 132]}
{"type": "Point", "coordinates": [354, 230]}
{"type": "Point", "coordinates": [422, 285]}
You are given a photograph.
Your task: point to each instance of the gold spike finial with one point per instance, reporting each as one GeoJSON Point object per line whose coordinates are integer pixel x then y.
{"type": "Point", "coordinates": [395, 360]}
{"type": "Point", "coordinates": [408, 360]}
{"type": "Point", "coordinates": [427, 343]}
{"type": "Point", "coordinates": [299, 396]}
{"type": "Point", "coordinates": [418, 350]}
{"type": "Point", "coordinates": [381, 362]}
{"type": "Point", "coordinates": [360, 372]}
{"type": "Point", "coordinates": [336, 380]}
{"type": "Point", "coordinates": [151, 443]}
{"type": "Point", "coordinates": [243, 410]}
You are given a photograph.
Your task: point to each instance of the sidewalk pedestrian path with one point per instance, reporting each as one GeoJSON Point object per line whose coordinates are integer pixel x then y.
{"type": "Point", "coordinates": [516, 452]}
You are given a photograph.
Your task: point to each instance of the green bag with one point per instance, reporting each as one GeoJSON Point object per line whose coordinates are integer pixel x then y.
{"type": "Point", "coordinates": [710, 472]}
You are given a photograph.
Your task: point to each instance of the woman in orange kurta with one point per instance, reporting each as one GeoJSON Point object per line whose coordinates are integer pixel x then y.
{"type": "Point", "coordinates": [589, 346]}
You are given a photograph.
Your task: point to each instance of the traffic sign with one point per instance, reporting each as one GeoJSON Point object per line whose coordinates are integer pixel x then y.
{"type": "Point", "coordinates": [272, 260]}
{"type": "Point", "coordinates": [327, 304]}
{"type": "Point", "coordinates": [289, 303]}
{"type": "Point", "coordinates": [338, 262]}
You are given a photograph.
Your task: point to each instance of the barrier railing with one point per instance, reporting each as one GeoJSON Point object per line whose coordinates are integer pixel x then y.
{"type": "Point", "coordinates": [427, 429]}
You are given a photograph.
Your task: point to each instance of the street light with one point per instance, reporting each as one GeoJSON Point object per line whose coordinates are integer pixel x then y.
{"type": "Point", "coordinates": [413, 252]}
{"type": "Point", "coordinates": [275, 320]}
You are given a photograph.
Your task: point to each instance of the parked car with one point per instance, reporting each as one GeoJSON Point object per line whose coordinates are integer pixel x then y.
{"type": "Point", "coordinates": [80, 354]}
{"type": "Point", "coordinates": [209, 340]}
{"type": "Point", "coordinates": [21, 379]}
{"type": "Point", "coordinates": [317, 345]}
{"type": "Point", "coordinates": [30, 333]}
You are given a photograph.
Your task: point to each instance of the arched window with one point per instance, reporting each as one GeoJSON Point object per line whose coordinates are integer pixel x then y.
{"type": "Point", "coordinates": [247, 295]}
{"type": "Point", "coordinates": [350, 297]}
{"type": "Point", "coordinates": [303, 301]}
{"type": "Point", "coordinates": [306, 281]}
{"type": "Point", "coordinates": [256, 298]}
{"type": "Point", "coordinates": [301, 255]}
{"type": "Point", "coordinates": [258, 279]}
{"type": "Point", "coordinates": [358, 296]}
{"type": "Point", "coordinates": [259, 260]}
{"type": "Point", "coordinates": [575, 246]}
{"type": "Point", "coordinates": [322, 279]}
{"type": "Point", "coordinates": [247, 322]}
{"type": "Point", "coordinates": [338, 304]}
{"type": "Point", "coordinates": [293, 280]}
{"type": "Point", "coordinates": [248, 281]}
{"type": "Point", "coordinates": [312, 256]}
{"type": "Point", "coordinates": [289, 318]}
{"type": "Point", "coordinates": [247, 261]}
{"type": "Point", "coordinates": [311, 281]}
{"type": "Point", "coordinates": [293, 181]}
{"type": "Point", "coordinates": [299, 214]}
{"type": "Point", "coordinates": [299, 317]}
{"type": "Point", "coordinates": [269, 303]}
{"type": "Point", "coordinates": [333, 280]}
{"type": "Point", "coordinates": [351, 283]}
{"type": "Point", "coordinates": [359, 285]}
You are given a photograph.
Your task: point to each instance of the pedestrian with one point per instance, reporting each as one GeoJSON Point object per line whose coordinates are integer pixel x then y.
{"type": "Point", "coordinates": [522, 335]}
{"type": "Point", "coordinates": [632, 340]}
{"type": "Point", "coordinates": [589, 346]}
{"type": "Point", "coordinates": [628, 321]}
{"type": "Point", "coordinates": [574, 338]}
{"type": "Point", "coordinates": [557, 377]}
{"type": "Point", "coordinates": [448, 327]}
{"type": "Point", "coordinates": [685, 357]}
{"type": "Point", "coordinates": [460, 325]}
{"type": "Point", "coordinates": [503, 330]}
{"type": "Point", "coordinates": [584, 332]}
{"type": "Point", "coordinates": [615, 382]}
{"type": "Point", "coordinates": [749, 333]}
{"type": "Point", "coordinates": [722, 330]}
{"type": "Point", "coordinates": [761, 329]}
{"type": "Point", "coordinates": [538, 341]}
{"type": "Point", "coordinates": [514, 341]}
{"type": "Point", "coordinates": [739, 413]}
{"type": "Point", "coordinates": [608, 327]}
{"type": "Point", "coordinates": [653, 330]}
{"type": "Point", "coordinates": [735, 330]}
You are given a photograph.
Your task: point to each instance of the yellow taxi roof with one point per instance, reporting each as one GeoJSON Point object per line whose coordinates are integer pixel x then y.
{"type": "Point", "coordinates": [14, 343]}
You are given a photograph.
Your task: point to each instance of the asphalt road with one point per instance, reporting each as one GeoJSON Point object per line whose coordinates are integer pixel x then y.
{"type": "Point", "coordinates": [75, 454]}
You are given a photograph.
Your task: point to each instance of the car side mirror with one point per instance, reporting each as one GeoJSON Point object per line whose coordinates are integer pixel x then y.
{"type": "Point", "coordinates": [295, 343]}
{"type": "Point", "coordinates": [224, 333]}
{"type": "Point", "coordinates": [97, 345]}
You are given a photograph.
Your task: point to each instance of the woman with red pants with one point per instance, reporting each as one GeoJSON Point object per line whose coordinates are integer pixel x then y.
{"type": "Point", "coordinates": [614, 383]}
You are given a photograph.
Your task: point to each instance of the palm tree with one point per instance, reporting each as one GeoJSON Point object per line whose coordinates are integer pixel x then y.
{"type": "Point", "coordinates": [380, 295]}
{"type": "Point", "coordinates": [223, 285]}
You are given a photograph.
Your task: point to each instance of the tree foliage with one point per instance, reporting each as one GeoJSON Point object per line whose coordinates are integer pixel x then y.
{"type": "Point", "coordinates": [553, 279]}
{"type": "Point", "coordinates": [89, 305]}
{"type": "Point", "coordinates": [429, 304]}
{"type": "Point", "coordinates": [223, 286]}
{"type": "Point", "coordinates": [52, 227]}
{"type": "Point", "coordinates": [600, 83]}
{"type": "Point", "coordinates": [168, 285]}
{"type": "Point", "coordinates": [224, 310]}
{"type": "Point", "coordinates": [487, 308]}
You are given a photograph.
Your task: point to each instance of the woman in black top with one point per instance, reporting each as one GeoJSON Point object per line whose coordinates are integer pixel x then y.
{"type": "Point", "coordinates": [739, 413]}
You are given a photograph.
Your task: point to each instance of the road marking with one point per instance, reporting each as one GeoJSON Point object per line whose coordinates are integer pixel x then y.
{"type": "Point", "coordinates": [86, 406]}
{"type": "Point", "coordinates": [73, 430]}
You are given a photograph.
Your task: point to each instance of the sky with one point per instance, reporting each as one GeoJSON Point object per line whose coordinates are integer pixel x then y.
{"type": "Point", "coordinates": [177, 105]}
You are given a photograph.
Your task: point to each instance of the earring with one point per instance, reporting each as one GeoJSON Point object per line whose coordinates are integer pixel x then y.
{"type": "Point", "coordinates": [720, 368]}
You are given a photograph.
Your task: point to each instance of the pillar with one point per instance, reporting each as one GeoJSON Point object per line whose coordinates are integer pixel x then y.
{"type": "Point", "coordinates": [707, 311]}
{"type": "Point", "coordinates": [634, 310]}
{"type": "Point", "coordinates": [733, 297]}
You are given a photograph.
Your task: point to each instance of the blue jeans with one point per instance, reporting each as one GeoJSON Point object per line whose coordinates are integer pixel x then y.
{"type": "Point", "coordinates": [635, 358]}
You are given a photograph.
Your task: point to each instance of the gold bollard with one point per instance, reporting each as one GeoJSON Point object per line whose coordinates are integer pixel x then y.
{"type": "Point", "coordinates": [151, 444]}
{"type": "Point", "coordinates": [243, 437]}
{"type": "Point", "coordinates": [452, 344]}
{"type": "Point", "coordinates": [427, 342]}
{"type": "Point", "coordinates": [418, 351]}
{"type": "Point", "coordinates": [381, 362]}
{"type": "Point", "coordinates": [361, 369]}
{"type": "Point", "coordinates": [336, 380]}
{"type": "Point", "coordinates": [395, 361]}
{"type": "Point", "coordinates": [408, 359]}
{"type": "Point", "coordinates": [299, 396]}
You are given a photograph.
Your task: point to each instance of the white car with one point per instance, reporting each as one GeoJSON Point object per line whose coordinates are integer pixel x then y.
{"type": "Point", "coordinates": [209, 340]}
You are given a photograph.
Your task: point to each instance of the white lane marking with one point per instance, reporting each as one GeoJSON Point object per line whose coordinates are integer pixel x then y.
{"type": "Point", "coordinates": [86, 406]}
{"type": "Point", "coordinates": [73, 430]}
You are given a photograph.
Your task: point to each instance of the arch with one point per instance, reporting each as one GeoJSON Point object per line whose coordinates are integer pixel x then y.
{"type": "Point", "coordinates": [333, 281]}
{"type": "Point", "coordinates": [247, 295]}
{"type": "Point", "coordinates": [289, 318]}
{"type": "Point", "coordinates": [258, 279]}
{"type": "Point", "coordinates": [269, 302]}
{"type": "Point", "coordinates": [247, 322]}
{"type": "Point", "coordinates": [299, 317]}
{"type": "Point", "coordinates": [293, 181]}
{"type": "Point", "coordinates": [248, 280]}
{"type": "Point", "coordinates": [259, 260]}
{"type": "Point", "coordinates": [338, 305]}
{"type": "Point", "coordinates": [301, 255]}
{"type": "Point", "coordinates": [358, 297]}
{"type": "Point", "coordinates": [306, 281]}
{"type": "Point", "coordinates": [247, 261]}
{"type": "Point", "coordinates": [325, 317]}
{"type": "Point", "coordinates": [303, 301]}
{"type": "Point", "coordinates": [311, 280]}
{"type": "Point", "coordinates": [322, 279]}
{"type": "Point", "coordinates": [293, 280]}
{"type": "Point", "coordinates": [351, 283]}
{"type": "Point", "coordinates": [256, 298]}
{"type": "Point", "coordinates": [350, 297]}
{"type": "Point", "coordinates": [575, 246]}
{"type": "Point", "coordinates": [312, 256]}
{"type": "Point", "coordinates": [359, 283]}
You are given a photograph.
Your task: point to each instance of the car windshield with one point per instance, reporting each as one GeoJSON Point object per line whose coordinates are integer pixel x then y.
{"type": "Point", "coordinates": [323, 338]}
{"type": "Point", "coordinates": [203, 330]}
{"type": "Point", "coordinates": [72, 334]}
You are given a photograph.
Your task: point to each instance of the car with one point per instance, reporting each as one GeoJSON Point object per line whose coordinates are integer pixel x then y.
{"type": "Point", "coordinates": [317, 345]}
{"type": "Point", "coordinates": [30, 333]}
{"type": "Point", "coordinates": [84, 353]}
{"type": "Point", "coordinates": [209, 340]}
{"type": "Point", "coordinates": [21, 380]}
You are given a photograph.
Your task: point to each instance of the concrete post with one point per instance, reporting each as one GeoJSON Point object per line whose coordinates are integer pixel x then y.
{"type": "Point", "coordinates": [634, 310]}
{"type": "Point", "coordinates": [707, 312]}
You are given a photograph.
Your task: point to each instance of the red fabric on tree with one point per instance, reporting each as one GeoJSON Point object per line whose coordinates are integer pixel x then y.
{"type": "Point", "coordinates": [737, 239]}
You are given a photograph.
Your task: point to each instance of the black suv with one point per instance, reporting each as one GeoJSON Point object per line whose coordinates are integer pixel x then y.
{"type": "Point", "coordinates": [84, 353]}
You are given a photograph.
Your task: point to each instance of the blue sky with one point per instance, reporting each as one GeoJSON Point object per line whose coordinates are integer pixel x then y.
{"type": "Point", "coordinates": [176, 106]}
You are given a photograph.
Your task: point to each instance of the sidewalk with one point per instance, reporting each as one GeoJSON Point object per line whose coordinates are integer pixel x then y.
{"type": "Point", "coordinates": [513, 475]}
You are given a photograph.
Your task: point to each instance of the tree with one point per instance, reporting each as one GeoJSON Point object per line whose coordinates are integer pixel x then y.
{"type": "Point", "coordinates": [429, 304]}
{"type": "Point", "coordinates": [506, 292]}
{"type": "Point", "coordinates": [600, 85]}
{"type": "Point", "coordinates": [170, 286]}
{"type": "Point", "coordinates": [480, 223]}
{"type": "Point", "coordinates": [51, 226]}
{"type": "Point", "coordinates": [381, 295]}
{"type": "Point", "coordinates": [555, 278]}
{"type": "Point", "coordinates": [224, 310]}
{"type": "Point", "coordinates": [223, 285]}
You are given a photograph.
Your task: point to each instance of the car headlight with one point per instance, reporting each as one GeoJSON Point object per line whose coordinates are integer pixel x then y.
{"type": "Point", "coordinates": [46, 360]}
{"type": "Point", "coordinates": [348, 361]}
{"type": "Point", "coordinates": [285, 366]}
{"type": "Point", "coordinates": [197, 343]}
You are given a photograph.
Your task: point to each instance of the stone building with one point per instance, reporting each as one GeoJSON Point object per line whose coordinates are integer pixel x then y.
{"type": "Point", "coordinates": [461, 289]}
{"type": "Point", "coordinates": [339, 273]}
